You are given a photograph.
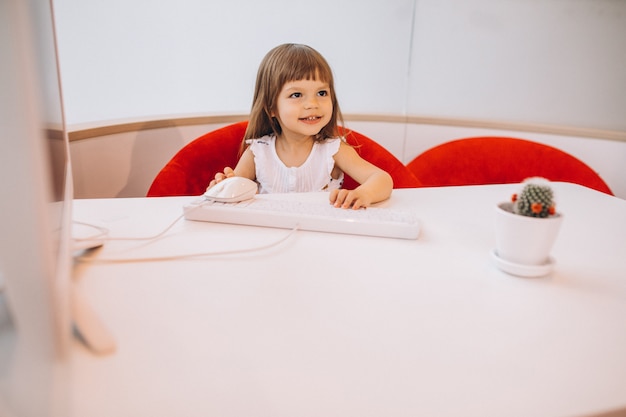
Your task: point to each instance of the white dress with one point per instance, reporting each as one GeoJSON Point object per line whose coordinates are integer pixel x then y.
{"type": "Point", "coordinates": [313, 175]}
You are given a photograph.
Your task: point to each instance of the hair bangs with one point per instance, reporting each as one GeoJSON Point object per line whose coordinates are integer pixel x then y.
{"type": "Point", "coordinates": [307, 66]}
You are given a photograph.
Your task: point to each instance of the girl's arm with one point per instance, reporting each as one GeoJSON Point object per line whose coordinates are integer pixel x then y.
{"type": "Point", "coordinates": [245, 168]}
{"type": "Point", "coordinates": [376, 184]}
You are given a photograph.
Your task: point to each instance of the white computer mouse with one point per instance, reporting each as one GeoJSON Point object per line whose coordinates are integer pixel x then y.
{"type": "Point", "coordinates": [232, 190]}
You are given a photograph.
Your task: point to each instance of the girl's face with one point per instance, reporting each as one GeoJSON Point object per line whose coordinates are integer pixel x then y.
{"type": "Point", "coordinates": [303, 108]}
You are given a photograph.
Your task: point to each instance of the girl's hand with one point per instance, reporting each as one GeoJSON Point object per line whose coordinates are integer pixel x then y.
{"type": "Point", "coordinates": [346, 199]}
{"type": "Point", "coordinates": [376, 184]}
{"type": "Point", "coordinates": [221, 176]}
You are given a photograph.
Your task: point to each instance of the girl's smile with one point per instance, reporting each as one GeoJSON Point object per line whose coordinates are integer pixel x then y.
{"type": "Point", "coordinates": [311, 119]}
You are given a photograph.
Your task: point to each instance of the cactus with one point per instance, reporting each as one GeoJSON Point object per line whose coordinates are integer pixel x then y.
{"type": "Point", "coordinates": [535, 200]}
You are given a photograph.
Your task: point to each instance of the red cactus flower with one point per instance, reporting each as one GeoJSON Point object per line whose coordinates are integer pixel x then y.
{"type": "Point", "coordinates": [551, 210]}
{"type": "Point", "coordinates": [514, 198]}
{"type": "Point", "coordinates": [536, 207]}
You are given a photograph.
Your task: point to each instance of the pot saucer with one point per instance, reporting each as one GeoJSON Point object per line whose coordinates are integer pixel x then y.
{"type": "Point", "coordinates": [520, 269]}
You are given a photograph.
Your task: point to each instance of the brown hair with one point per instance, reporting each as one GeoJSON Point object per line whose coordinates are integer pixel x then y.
{"type": "Point", "coordinates": [285, 63]}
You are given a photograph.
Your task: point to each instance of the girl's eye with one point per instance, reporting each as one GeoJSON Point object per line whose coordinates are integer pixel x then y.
{"type": "Point", "coordinates": [296, 95]}
{"type": "Point", "coordinates": [322, 93]}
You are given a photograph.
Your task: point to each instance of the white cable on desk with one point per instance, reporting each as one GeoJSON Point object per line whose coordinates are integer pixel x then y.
{"type": "Point", "coordinates": [104, 232]}
{"type": "Point", "coordinates": [187, 256]}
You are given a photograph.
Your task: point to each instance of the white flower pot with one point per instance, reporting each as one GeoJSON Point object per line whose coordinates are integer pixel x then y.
{"type": "Point", "coordinates": [523, 240]}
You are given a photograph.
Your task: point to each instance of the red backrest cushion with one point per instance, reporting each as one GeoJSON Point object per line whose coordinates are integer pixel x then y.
{"type": "Point", "coordinates": [195, 165]}
{"type": "Point", "coordinates": [500, 160]}
{"type": "Point", "coordinates": [376, 154]}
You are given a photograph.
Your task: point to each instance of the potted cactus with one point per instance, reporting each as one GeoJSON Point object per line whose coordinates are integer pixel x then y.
{"type": "Point", "coordinates": [526, 229]}
{"type": "Point", "coordinates": [535, 200]}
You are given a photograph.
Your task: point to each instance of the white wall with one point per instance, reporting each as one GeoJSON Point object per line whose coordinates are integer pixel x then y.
{"type": "Point", "coordinates": [558, 62]}
{"type": "Point", "coordinates": [139, 58]}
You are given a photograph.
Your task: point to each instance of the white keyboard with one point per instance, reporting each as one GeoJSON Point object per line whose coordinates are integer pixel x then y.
{"type": "Point", "coordinates": [316, 216]}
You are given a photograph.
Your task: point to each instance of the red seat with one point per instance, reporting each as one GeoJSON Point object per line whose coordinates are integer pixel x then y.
{"type": "Point", "coordinates": [500, 160]}
{"type": "Point", "coordinates": [376, 154]}
{"type": "Point", "coordinates": [195, 165]}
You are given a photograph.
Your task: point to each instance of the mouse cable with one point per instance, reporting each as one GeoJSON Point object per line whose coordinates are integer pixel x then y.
{"type": "Point", "coordinates": [103, 232]}
{"type": "Point", "coordinates": [270, 245]}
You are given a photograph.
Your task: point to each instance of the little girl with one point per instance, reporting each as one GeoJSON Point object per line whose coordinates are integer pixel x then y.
{"type": "Point", "coordinates": [292, 143]}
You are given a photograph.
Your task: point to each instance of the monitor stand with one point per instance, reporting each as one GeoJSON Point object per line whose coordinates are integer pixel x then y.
{"type": "Point", "coordinates": [88, 326]}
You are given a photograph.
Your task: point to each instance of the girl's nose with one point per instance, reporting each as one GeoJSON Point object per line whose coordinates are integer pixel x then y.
{"type": "Point", "coordinates": [311, 103]}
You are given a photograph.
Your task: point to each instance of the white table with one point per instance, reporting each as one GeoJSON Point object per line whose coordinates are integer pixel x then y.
{"type": "Point", "coordinates": [340, 325]}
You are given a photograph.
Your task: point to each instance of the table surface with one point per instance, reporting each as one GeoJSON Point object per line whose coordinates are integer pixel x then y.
{"type": "Point", "coordinates": [339, 325]}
